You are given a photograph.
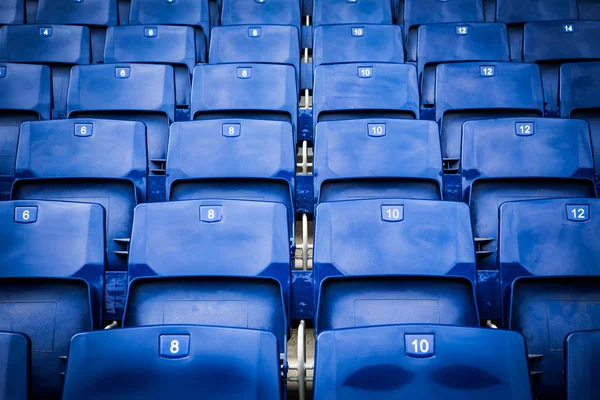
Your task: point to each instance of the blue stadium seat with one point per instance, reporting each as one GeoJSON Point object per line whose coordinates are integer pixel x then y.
{"type": "Point", "coordinates": [393, 261]}
{"type": "Point", "coordinates": [261, 12]}
{"type": "Point", "coordinates": [194, 13]}
{"type": "Point", "coordinates": [548, 257]}
{"type": "Point", "coordinates": [354, 91]}
{"type": "Point", "coordinates": [269, 44]}
{"type": "Point", "coordinates": [61, 46]}
{"type": "Point", "coordinates": [138, 363]}
{"type": "Point", "coordinates": [173, 45]}
{"type": "Point", "coordinates": [508, 159]}
{"type": "Point", "coordinates": [139, 92]}
{"type": "Point", "coordinates": [589, 9]}
{"type": "Point", "coordinates": [581, 364]}
{"type": "Point", "coordinates": [338, 44]}
{"type": "Point", "coordinates": [15, 360]}
{"type": "Point", "coordinates": [415, 13]}
{"type": "Point", "coordinates": [517, 12]}
{"type": "Point", "coordinates": [377, 158]}
{"type": "Point", "coordinates": [551, 43]}
{"type": "Point", "coordinates": [85, 160]}
{"type": "Point", "coordinates": [469, 42]}
{"type": "Point", "coordinates": [51, 276]}
{"type": "Point", "coordinates": [97, 14]}
{"type": "Point", "coordinates": [209, 283]}
{"type": "Point", "coordinates": [199, 161]}
{"type": "Point", "coordinates": [335, 12]}
{"type": "Point", "coordinates": [580, 98]}
{"type": "Point", "coordinates": [26, 96]}
{"type": "Point", "coordinates": [254, 91]}
{"type": "Point", "coordinates": [12, 12]}
{"type": "Point", "coordinates": [480, 90]}
{"type": "Point", "coordinates": [421, 361]}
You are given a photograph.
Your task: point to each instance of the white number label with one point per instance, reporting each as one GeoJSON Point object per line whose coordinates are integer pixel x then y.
{"type": "Point", "coordinates": [211, 213]}
{"type": "Point", "coordinates": [568, 28]}
{"type": "Point", "coordinates": [524, 128]}
{"type": "Point", "coordinates": [487, 71]}
{"type": "Point", "coordinates": [392, 213]}
{"type": "Point", "coordinates": [462, 30]}
{"type": "Point", "coordinates": [358, 32]}
{"type": "Point", "coordinates": [376, 129]}
{"type": "Point", "coordinates": [578, 213]}
{"type": "Point", "coordinates": [244, 73]}
{"type": "Point", "coordinates": [26, 215]}
{"type": "Point", "coordinates": [419, 345]}
{"type": "Point", "coordinates": [365, 72]}
{"type": "Point", "coordinates": [174, 349]}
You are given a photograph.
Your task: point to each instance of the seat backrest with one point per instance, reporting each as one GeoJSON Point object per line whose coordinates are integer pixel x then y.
{"type": "Point", "coordinates": [187, 245]}
{"type": "Point", "coordinates": [15, 360]}
{"type": "Point", "coordinates": [51, 278]}
{"type": "Point", "coordinates": [521, 11]}
{"type": "Point", "coordinates": [471, 42]}
{"type": "Point", "coordinates": [478, 90]}
{"type": "Point", "coordinates": [589, 9]}
{"type": "Point", "coordinates": [12, 12]}
{"type": "Point", "coordinates": [335, 12]}
{"type": "Point", "coordinates": [137, 92]}
{"type": "Point", "coordinates": [97, 161]}
{"type": "Point", "coordinates": [579, 87]}
{"type": "Point", "coordinates": [26, 96]}
{"type": "Point", "coordinates": [52, 44]}
{"type": "Point", "coordinates": [351, 91]}
{"type": "Point", "coordinates": [537, 237]}
{"type": "Point", "coordinates": [338, 44]}
{"type": "Point", "coordinates": [377, 158]}
{"type": "Point", "coordinates": [429, 361]}
{"type": "Point", "coordinates": [261, 12]}
{"type": "Point", "coordinates": [180, 12]}
{"type": "Point", "coordinates": [393, 261]}
{"type": "Point", "coordinates": [70, 12]}
{"type": "Point", "coordinates": [199, 161]}
{"type": "Point", "coordinates": [215, 361]}
{"type": "Point", "coordinates": [271, 44]}
{"type": "Point", "coordinates": [431, 12]}
{"type": "Point", "coordinates": [581, 365]}
{"type": "Point", "coordinates": [561, 41]}
{"type": "Point", "coordinates": [509, 159]}
{"type": "Point", "coordinates": [254, 91]}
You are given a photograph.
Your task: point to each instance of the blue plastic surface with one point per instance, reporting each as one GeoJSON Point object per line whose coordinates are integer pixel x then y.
{"type": "Point", "coordinates": [469, 363]}
{"type": "Point", "coordinates": [125, 364]}
{"type": "Point", "coordinates": [254, 91]}
{"type": "Point", "coordinates": [524, 172]}
{"type": "Point", "coordinates": [579, 88]}
{"type": "Point", "coordinates": [520, 11]}
{"type": "Point", "coordinates": [170, 240]}
{"type": "Point", "coordinates": [51, 277]}
{"type": "Point", "coordinates": [72, 12]}
{"type": "Point", "coordinates": [26, 96]}
{"type": "Point", "coordinates": [336, 44]}
{"type": "Point", "coordinates": [261, 12]}
{"type": "Point", "coordinates": [15, 365]}
{"type": "Point", "coordinates": [470, 42]}
{"type": "Point", "coordinates": [350, 163]}
{"type": "Point", "coordinates": [268, 44]}
{"type": "Point", "coordinates": [415, 13]}
{"type": "Point", "coordinates": [464, 92]}
{"type": "Point", "coordinates": [199, 161]}
{"type": "Point", "coordinates": [145, 93]}
{"type": "Point", "coordinates": [12, 12]}
{"type": "Point", "coordinates": [369, 271]}
{"type": "Point", "coordinates": [581, 364]}
{"type": "Point", "coordinates": [334, 12]}
{"type": "Point", "coordinates": [26, 44]}
{"type": "Point", "coordinates": [341, 93]}
{"type": "Point", "coordinates": [552, 43]}
{"type": "Point", "coordinates": [107, 167]}
{"type": "Point", "coordinates": [173, 45]}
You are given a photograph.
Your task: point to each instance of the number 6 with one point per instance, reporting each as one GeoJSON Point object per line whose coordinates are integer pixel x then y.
{"type": "Point", "coordinates": [26, 215]}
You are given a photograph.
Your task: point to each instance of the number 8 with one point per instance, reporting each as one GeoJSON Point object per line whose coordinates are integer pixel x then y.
{"type": "Point", "coordinates": [174, 347]}
{"type": "Point", "coordinates": [244, 73]}
{"type": "Point", "coordinates": [211, 214]}
{"type": "Point", "coordinates": [231, 132]}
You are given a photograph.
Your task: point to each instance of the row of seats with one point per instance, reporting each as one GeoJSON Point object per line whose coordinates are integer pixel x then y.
{"type": "Point", "coordinates": [419, 268]}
